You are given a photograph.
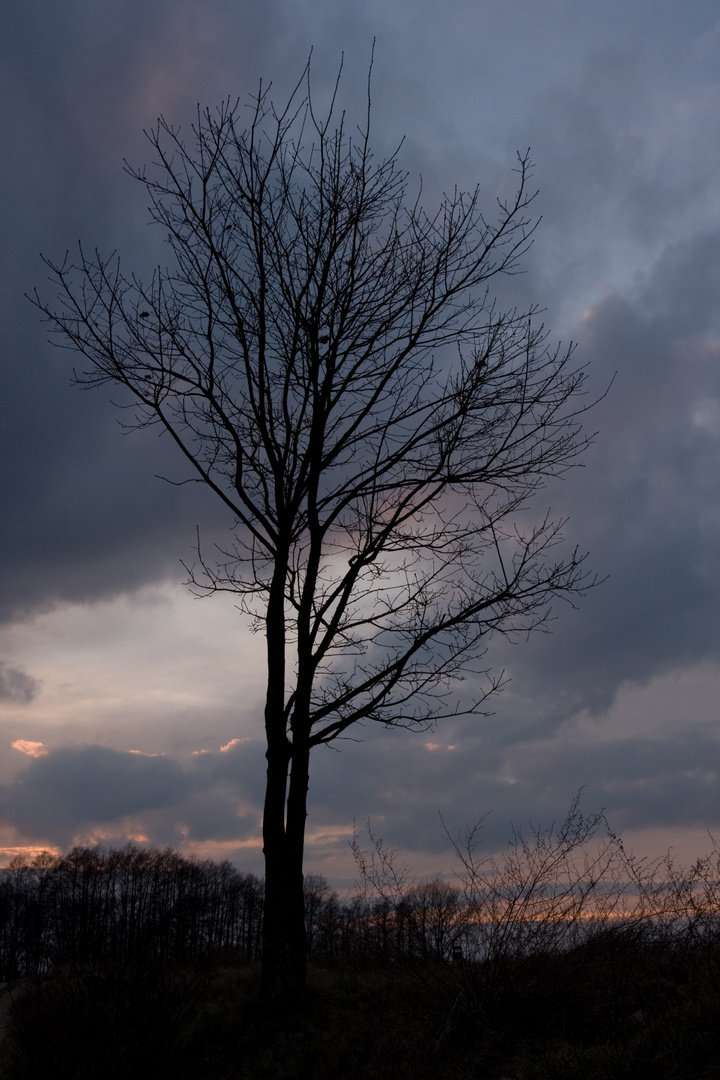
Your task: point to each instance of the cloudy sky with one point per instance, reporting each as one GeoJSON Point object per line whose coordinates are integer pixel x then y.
{"type": "Point", "coordinates": [130, 709]}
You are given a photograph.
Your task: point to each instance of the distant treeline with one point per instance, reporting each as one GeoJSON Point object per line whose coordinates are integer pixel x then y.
{"type": "Point", "coordinates": [121, 905]}
{"type": "Point", "coordinates": [552, 893]}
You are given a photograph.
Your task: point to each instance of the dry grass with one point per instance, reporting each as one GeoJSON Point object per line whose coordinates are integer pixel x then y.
{"type": "Point", "coordinates": [614, 1008]}
{"type": "Point", "coordinates": [581, 963]}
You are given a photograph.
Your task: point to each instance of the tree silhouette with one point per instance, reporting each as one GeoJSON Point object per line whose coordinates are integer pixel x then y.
{"type": "Point", "coordinates": [327, 357]}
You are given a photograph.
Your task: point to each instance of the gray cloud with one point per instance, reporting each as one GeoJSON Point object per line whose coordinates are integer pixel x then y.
{"type": "Point", "coordinates": [74, 786]}
{"type": "Point", "coordinates": [70, 789]}
{"type": "Point", "coordinates": [86, 518]}
{"type": "Point", "coordinates": [83, 515]}
{"type": "Point", "coordinates": [16, 685]}
{"type": "Point", "coordinates": [669, 779]}
{"type": "Point", "coordinates": [646, 503]}
{"type": "Point", "coordinates": [406, 789]}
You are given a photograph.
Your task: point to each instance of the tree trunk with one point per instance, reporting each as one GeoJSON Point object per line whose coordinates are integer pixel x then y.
{"type": "Point", "coordinates": [295, 841]}
{"type": "Point", "coordinates": [275, 960]}
{"type": "Point", "coordinates": [284, 945]}
{"type": "Point", "coordinates": [284, 955]}
{"type": "Point", "coordinates": [276, 977]}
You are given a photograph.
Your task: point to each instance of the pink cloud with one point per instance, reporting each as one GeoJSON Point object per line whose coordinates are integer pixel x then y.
{"type": "Point", "coordinates": [32, 749]}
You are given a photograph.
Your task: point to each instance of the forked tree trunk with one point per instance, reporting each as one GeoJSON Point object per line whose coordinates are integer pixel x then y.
{"type": "Point", "coordinates": [295, 841]}
{"type": "Point", "coordinates": [284, 939]}
{"type": "Point", "coordinates": [284, 951]}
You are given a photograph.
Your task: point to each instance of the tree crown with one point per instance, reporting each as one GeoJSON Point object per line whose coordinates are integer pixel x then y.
{"type": "Point", "coordinates": [327, 357]}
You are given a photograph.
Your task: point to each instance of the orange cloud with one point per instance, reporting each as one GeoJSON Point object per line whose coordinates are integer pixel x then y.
{"type": "Point", "coordinates": [26, 854]}
{"type": "Point", "coordinates": [229, 745]}
{"type": "Point", "coordinates": [32, 749]}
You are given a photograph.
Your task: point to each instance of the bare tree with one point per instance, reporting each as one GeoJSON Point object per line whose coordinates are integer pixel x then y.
{"type": "Point", "coordinates": [327, 357]}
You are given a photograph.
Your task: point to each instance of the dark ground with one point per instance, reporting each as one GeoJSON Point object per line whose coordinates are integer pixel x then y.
{"type": "Point", "coordinates": [617, 1007]}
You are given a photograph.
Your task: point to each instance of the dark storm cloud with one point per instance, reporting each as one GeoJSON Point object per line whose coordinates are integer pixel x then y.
{"type": "Point", "coordinates": [646, 503]}
{"type": "Point", "coordinates": [71, 789]}
{"type": "Point", "coordinates": [83, 515]}
{"type": "Point", "coordinates": [626, 157]}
